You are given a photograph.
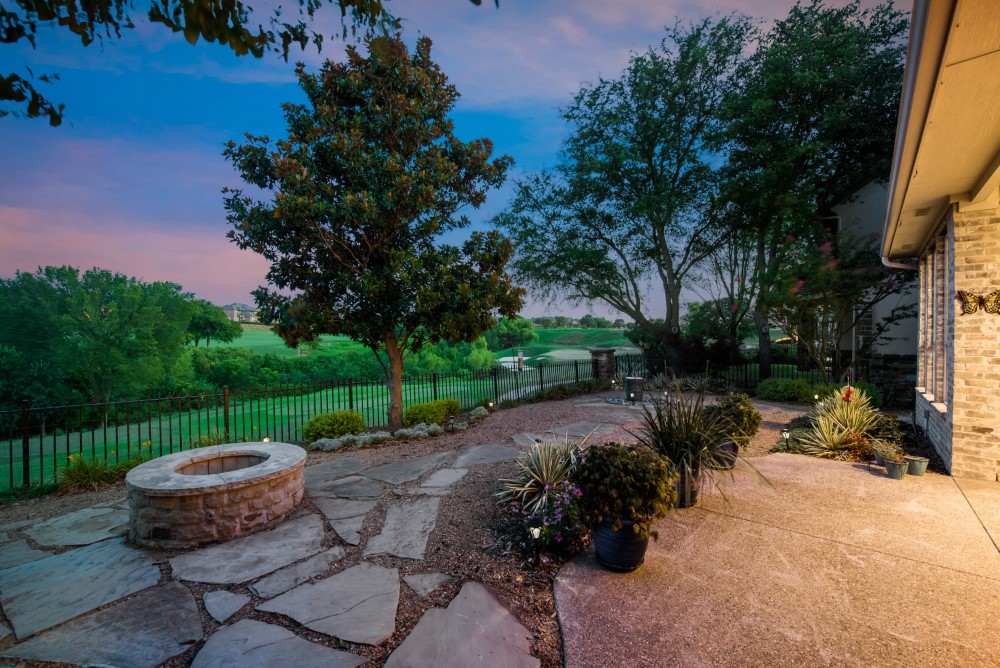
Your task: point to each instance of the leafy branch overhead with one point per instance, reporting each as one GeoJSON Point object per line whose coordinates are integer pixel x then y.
{"type": "Point", "coordinates": [231, 23]}
{"type": "Point", "coordinates": [360, 192]}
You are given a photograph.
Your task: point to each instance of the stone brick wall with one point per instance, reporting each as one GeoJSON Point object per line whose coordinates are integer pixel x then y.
{"type": "Point", "coordinates": [972, 361]}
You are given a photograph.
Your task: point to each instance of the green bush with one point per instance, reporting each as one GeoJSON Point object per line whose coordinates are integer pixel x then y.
{"type": "Point", "coordinates": [333, 425]}
{"type": "Point", "coordinates": [431, 412]}
{"type": "Point", "coordinates": [785, 389]}
{"type": "Point", "coordinates": [737, 408]}
{"type": "Point", "coordinates": [841, 424]}
{"type": "Point", "coordinates": [544, 468]}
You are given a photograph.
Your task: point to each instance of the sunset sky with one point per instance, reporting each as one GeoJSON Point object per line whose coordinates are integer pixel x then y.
{"type": "Point", "coordinates": [131, 181]}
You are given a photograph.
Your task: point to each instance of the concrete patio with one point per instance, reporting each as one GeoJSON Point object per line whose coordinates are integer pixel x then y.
{"type": "Point", "coordinates": [831, 564]}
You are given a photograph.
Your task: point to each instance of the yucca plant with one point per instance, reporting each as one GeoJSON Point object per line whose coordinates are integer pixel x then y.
{"type": "Point", "coordinates": [544, 468]}
{"type": "Point", "coordinates": [838, 420]}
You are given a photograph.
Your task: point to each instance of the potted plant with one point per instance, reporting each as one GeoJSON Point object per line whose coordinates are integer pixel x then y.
{"type": "Point", "coordinates": [895, 465]}
{"type": "Point", "coordinates": [916, 465]}
{"type": "Point", "coordinates": [692, 437]}
{"type": "Point", "coordinates": [622, 489]}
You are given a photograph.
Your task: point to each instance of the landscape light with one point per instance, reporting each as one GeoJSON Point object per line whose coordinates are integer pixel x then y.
{"type": "Point", "coordinates": [535, 532]}
{"type": "Point", "coordinates": [267, 440]}
{"type": "Point", "coordinates": [785, 434]}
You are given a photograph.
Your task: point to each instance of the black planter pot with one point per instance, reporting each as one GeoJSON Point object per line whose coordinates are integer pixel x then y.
{"type": "Point", "coordinates": [724, 457]}
{"type": "Point", "coordinates": [687, 488]}
{"type": "Point", "coordinates": [621, 551]}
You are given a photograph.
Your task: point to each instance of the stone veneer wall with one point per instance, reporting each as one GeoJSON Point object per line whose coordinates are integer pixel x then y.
{"type": "Point", "coordinates": [192, 520]}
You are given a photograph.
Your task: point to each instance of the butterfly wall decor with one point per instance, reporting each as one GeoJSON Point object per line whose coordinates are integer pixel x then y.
{"type": "Point", "coordinates": [971, 302]}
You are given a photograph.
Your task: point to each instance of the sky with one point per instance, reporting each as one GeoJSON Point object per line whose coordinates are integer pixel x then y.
{"type": "Point", "coordinates": [132, 180]}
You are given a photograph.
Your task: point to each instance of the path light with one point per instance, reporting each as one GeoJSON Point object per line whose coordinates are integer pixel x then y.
{"type": "Point", "coordinates": [632, 397]}
{"type": "Point", "coordinates": [816, 397]}
{"type": "Point", "coordinates": [535, 532]}
{"type": "Point", "coordinates": [267, 440]}
{"type": "Point", "coordinates": [785, 434]}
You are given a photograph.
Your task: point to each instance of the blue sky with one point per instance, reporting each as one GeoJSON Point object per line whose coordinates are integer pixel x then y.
{"type": "Point", "coordinates": [131, 181]}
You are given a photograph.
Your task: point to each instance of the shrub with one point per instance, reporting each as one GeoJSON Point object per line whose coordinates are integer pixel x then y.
{"type": "Point", "coordinates": [544, 468]}
{"type": "Point", "coordinates": [82, 474]}
{"type": "Point", "coordinates": [333, 425]}
{"type": "Point", "coordinates": [784, 389]}
{"type": "Point", "coordinates": [737, 408]}
{"type": "Point", "coordinates": [621, 483]}
{"type": "Point", "coordinates": [841, 424]}
{"type": "Point", "coordinates": [331, 444]}
{"type": "Point", "coordinates": [422, 430]}
{"type": "Point", "coordinates": [431, 412]}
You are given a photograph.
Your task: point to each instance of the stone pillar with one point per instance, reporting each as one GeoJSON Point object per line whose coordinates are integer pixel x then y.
{"type": "Point", "coordinates": [603, 360]}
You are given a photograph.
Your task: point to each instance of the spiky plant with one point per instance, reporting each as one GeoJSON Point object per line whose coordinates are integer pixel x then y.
{"type": "Point", "coordinates": [544, 468]}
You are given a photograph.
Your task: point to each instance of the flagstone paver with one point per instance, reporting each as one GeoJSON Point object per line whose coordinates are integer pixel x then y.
{"type": "Point", "coordinates": [396, 473]}
{"type": "Point", "coordinates": [474, 630]}
{"type": "Point", "coordinates": [486, 454]}
{"type": "Point", "coordinates": [444, 477]}
{"type": "Point", "coordinates": [346, 516]}
{"type": "Point", "coordinates": [248, 558]}
{"type": "Point", "coordinates": [407, 526]}
{"type": "Point", "coordinates": [527, 440]}
{"type": "Point", "coordinates": [290, 576]}
{"type": "Point", "coordinates": [222, 604]}
{"type": "Point", "coordinates": [581, 429]}
{"type": "Point", "coordinates": [252, 644]}
{"type": "Point", "coordinates": [11, 526]}
{"type": "Point", "coordinates": [425, 583]}
{"type": "Point", "coordinates": [143, 631]}
{"type": "Point", "coordinates": [352, 486]}
{"type": "Point", "coordinates": [4, 631]}
{"type": "Point", "coordinates": [19, 552]}
{"type": "Point", "coordinates": [43, 593]}
{"type": "Point", "coordinates": [356, 605]}
{"type": "Point", "coordinates": [82, 527]}
{"type": "Point", "coordinates": [327, 471]}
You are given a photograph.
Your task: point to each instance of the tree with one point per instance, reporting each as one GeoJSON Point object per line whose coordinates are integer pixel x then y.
{"type": "Point", "coordinates": [368, 179]}
{"type": "Point", "coordinates": [228, 23]}
{"type": "Point", "coordinates": [511, 332]}
{"type": "Point", "coordinates": [826, 289]}
{"type": "Point", "coordinates": [814, 119]}
{"type": "Point", "coordinates": [717, 320]}
{"type": "Point", "coordinates": [628, 202]}
{"type": "Point", "coordinates": [210, 322]}
{"type": "Point", "coordinates": [108, 333]}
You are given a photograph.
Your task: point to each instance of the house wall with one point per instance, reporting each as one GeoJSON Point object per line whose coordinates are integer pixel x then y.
{"type": "Point", "coordinates": [958, 392]}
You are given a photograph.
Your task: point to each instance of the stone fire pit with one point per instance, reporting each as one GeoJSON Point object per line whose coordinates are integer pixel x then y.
{"type": "Point", "coordinates": [213, 494]}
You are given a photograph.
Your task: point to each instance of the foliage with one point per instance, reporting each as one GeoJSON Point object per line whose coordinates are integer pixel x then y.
{"type": "Point", "coordinates": [685, 432]}
{"type": "Point", "coordinates": [545, 467]}
{"type": "Point", "coordinates": [717, 320]}
{"type": "Point", "coordinates": [82, 474]}
{"type": "Point", "coordinates": [814, 118]}
{"type": "Point", "coordinates": [511, 333]}
{"type": "Point", "coordinates": [421, 430]}
{"type": "Point", "coordinates": [786, 389]}
{"type": "Point", "coordinates": [559, 520]}
{"type": "Point", "coordinates": [623, 483]}
{"type": "Point", "coordinates": [101, 334]}
{"type": "Point", "coordinates": [210, 322]}
{"type": "Point", "coordinates": [432, 412]}
{"type": "Point", "coordinates": [369, 178]}
{"type": "Point", "coordinates": [361, 440]}
{"type": "Point", "coordinates": [445, 357]}
{"type": "Point", "coordinates": [332, 425]}
{"type": "Point", "coordinates": [665, 351]}
{"type": "Point", "coordinates": [737, 408]}
{"type": "Point", "coordinates": [626, 203]}
{"type": "Point", "coordinates": [841, 424]}
{"type": "Point", "coordinates": [590, 322]}
{"type": "Point", "coordinates": [230, 24]}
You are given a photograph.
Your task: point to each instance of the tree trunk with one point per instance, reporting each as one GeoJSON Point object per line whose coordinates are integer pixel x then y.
{"type": "Point", "coordinates": [764, 343]}
{"type": "Point", "coordinates": [395, 356]}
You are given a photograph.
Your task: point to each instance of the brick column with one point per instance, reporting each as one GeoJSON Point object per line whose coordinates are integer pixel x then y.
{"type": "Point", "coordinates": [603, 360]}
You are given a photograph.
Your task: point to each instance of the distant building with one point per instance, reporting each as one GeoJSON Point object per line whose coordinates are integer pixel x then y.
{"type": "Point", "coordinates": [241, 313]}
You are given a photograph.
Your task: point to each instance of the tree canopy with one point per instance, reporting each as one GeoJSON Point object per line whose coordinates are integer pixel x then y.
{"type": "Point", "coordinates": [511, 332]}
{"type": "Point", "coordinates": [210, 322]}
{"type": "Point", "coordinates": [813, 120]}
{"type": "Point", "coordinates": [356, 199]}
{"type": "Point", "coordinates": [627, 203]}
{"type": "Point", "coordinates": [100, 333]}
{"type": "Point", "coordinates": [233, 23]}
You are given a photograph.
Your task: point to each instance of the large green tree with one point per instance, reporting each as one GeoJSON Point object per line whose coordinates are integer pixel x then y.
{"type": "Point", "coordinates": [210, 322]}
{"type": "Point", "coordinates": [511, 332]}
{"type": "Point", "coordinates": [627, 204]}
{"type": "Point", "coordinates": [357, 198]}
{"type": "Point", "coordinates": [108, 334]}
{"type": "Point", "coordinates": [813, 120]}
{"type": "Point", "coordinates": [232, 23]}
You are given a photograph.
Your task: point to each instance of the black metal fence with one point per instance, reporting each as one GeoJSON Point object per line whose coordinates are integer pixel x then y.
{"type": "Point", "coordinates": [37, 441]}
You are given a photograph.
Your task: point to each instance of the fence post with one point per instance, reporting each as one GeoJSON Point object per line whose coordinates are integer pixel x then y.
{"type": "Point", "coordinates": [496, 385]}
{"type": "Point", "coordinates": [25, 445]}
{"type": "Point", "coordinates": [576, 371]}
{"type": "Point", "coordinates": [350, 393]}
{"type": "Point", "coordinates": [225, 411]}
{"type": "Point", "coordinates": [541, 378]}
{"type": "Point", "coordinates": [434, 385]}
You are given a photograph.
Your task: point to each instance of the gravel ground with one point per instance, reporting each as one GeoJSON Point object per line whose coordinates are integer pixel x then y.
{"type": "Point", "coordinates": [474, 539]}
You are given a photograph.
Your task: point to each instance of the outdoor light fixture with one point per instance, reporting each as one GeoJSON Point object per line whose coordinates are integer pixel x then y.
{"type": "Point", "coordinates": [267, 440]}
{"type": "Point", "coordinates": [535, 532]}
{"type": "Point", "coordinates": [785, 434]}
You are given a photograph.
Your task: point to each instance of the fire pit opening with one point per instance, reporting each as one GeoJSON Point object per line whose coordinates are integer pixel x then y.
{"type": "Point", "coordinates": [223, 464]}
{"type": "Point", "coordinates": [213, 494]}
